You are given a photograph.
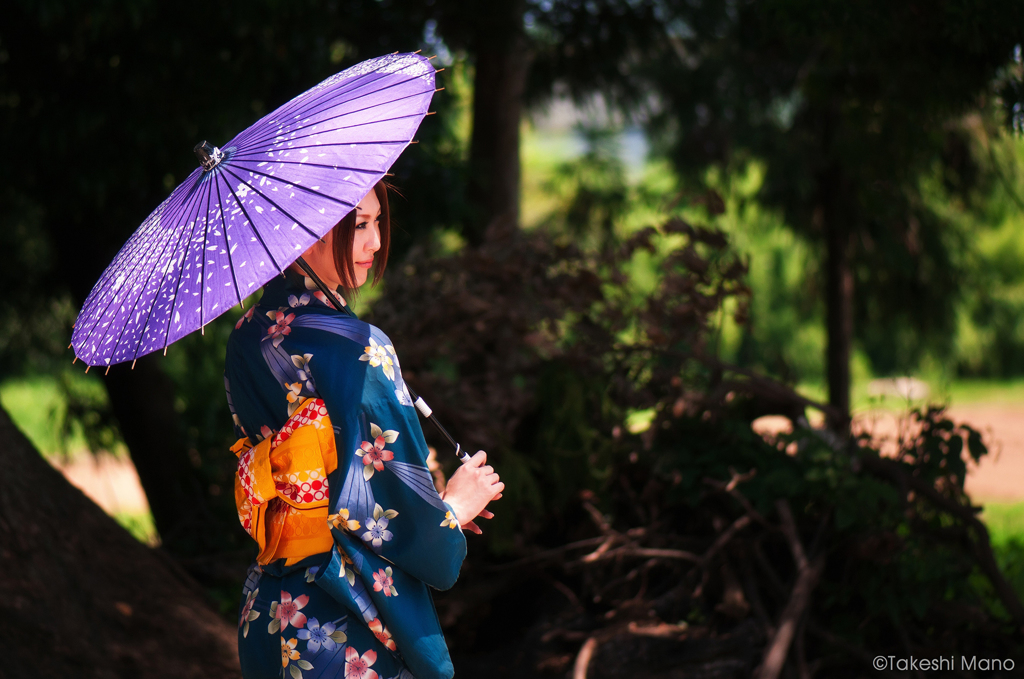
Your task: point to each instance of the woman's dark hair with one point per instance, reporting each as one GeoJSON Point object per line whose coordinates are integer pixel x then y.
{"type": "Point", "coordinates": [344, 236]}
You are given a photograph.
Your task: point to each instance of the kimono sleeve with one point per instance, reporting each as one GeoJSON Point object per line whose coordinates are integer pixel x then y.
{"type": "Point", "coordinates": [382, 491]}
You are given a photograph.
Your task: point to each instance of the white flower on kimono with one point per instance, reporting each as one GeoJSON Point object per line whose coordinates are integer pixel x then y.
{"type": "Point", "coordinates": [377, 532]}
{"type": "Point", "coordinates": [384, 582]}
{"type": "Point", "coordinates": [303, 374]}
{"type": "Point", "coordinates": [247, 316]}
{"type": "Point", "coordinates": [382, 634]}
{"type": "Point", "coordinates": [377, 355]}
{"type": "Point", "coordinates": [281, 327]}
{"type": "Point", "coordinates": [358, 667]}
{"type": "Point", "coordinates": [317, 635]}
{"type": "Point", "coordinates": [374, 455]}
{"type": "Point", "coordinates": [286, 612]}
{"type": "Point", "coordinates": [341, 521]}
{"type": "Point", "coordinates": [248, 615]}
{"type": "Point", "coordinates": [311, 573]}
{"type": "Point", "coordinates": [403, 395]}
{"type": "Point", "coordinates": [294, 301]}
{"type": "Point", "coordinates": [346, 562]}
{"type": "Point", "coordinates": [449, 521]}
{"type": "Point", "coordinates": [294, 390]}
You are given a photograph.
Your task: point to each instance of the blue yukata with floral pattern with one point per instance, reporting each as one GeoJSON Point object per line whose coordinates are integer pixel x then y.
{"type": "Point", "coordinates": [362, 610]}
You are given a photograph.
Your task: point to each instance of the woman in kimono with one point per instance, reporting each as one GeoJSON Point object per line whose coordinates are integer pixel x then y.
{"type": "Point", "coordinates": [332, 480]}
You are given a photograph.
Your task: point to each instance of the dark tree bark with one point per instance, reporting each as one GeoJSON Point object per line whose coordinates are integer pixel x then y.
{"type": "Point", "coordinates": [501, 62]}
{"type": "Point", "coordinates": [142, 400]}
{"type": "Point", "coordinates": [79, 597]}
{"type": "Point", "coordinates": [839, 291]}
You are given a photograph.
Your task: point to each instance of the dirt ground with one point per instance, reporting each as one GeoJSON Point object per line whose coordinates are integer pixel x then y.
{"type": "Point", "coordinates": [114, 485]}
{"type": "Point", "coordinates": [999, 477]}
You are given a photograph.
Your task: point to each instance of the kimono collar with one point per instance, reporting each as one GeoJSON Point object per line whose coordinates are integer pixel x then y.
{"type": "Point", "coordinates": [294, 289]}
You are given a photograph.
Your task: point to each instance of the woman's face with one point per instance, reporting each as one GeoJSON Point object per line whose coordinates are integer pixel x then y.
{"type": "Point", "coordinates": [366, 240]}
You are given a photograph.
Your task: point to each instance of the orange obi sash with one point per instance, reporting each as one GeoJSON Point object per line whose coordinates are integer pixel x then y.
{"type": "Point", "coordinates": [281, 487]}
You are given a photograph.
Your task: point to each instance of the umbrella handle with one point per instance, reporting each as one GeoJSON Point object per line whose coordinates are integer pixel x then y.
{"type": "Point", "coordinates": [418, 401]}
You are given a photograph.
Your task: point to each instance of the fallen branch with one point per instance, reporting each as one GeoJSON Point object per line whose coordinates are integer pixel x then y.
{"type": "Point", "coordinates": [579, 670]}
{"type": "Point", "coordinates": [775, 654]}
{"type": "Point", "coordinates": [808, 574]}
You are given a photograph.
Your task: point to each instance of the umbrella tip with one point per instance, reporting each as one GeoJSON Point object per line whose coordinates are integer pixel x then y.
{"type": "Point", "coordinates": [165, 350]}
{"type": "Point", "coordinates": [133, 363]}
{"type": "Point", "coordinates": [107, 370]}
{"type": "Point", "coordinates": [87, 369]}
{"type": "Point", "coordinates": [208, 154]}
{"type": "Point", "coordinates": [74, 360]}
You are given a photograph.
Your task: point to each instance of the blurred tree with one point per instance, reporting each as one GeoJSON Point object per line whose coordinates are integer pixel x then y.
{"type": "Point", "coordinates": [849, 105]}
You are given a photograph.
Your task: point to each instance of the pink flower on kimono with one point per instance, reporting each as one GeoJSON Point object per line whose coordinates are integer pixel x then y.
{"type": "Point", "coordinates": [246, 317]}
{"type": "Point", "coordinates": [374, 455]}
{"type": "Point", "coordinates": [357, 667]}
{"type": "Point", "coordinates": [248, 615]}
{"type": "Point", "coordinates": [384, 582]}
{"type": "Point", "coordinates": [288, 610]}
{"type": "Point", "coordinates": [310, 285]}
{"type": "Point", "coordinates": [280, 328]}
{"type": "Point", "coordinates": [382, 634]}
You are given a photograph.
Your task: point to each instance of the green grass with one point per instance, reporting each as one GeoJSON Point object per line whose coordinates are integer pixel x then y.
{"type": "Point", "coordinates": [36, 404]}
{"type": "Point", "coordinates": [140, 525]}
{"type": "Point", "coordinates": [1005, 521]}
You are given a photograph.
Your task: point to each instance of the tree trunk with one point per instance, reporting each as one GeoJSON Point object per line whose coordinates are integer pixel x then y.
{"type": "Point", "coordinates": [839, 291]}
{"type": "Point", "coordinates": [79, 597]}
{"type": "Point", "coordinates": [142, 400]}
{"type": "Point", "coordinates": [494, 174]}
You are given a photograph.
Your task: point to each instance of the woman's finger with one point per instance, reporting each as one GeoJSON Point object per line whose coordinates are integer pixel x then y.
{"type": "Point", "coordinates": [472, 528]}
{"type": "Point", "coordinates": [485, 514]}
{"type": "Point", "coordinates": [487, 469]}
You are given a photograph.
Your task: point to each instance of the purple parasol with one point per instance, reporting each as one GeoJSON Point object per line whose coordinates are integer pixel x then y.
{"type": "Point", "coordinates": [253, 207]}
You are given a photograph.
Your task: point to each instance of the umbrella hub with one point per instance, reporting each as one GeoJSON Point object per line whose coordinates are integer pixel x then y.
{"type": "Point", "coordinates": [208, 154]}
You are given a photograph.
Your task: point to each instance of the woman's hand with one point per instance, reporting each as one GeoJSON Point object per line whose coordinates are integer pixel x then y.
{"type": "Point", "coordinates": [470, 488]}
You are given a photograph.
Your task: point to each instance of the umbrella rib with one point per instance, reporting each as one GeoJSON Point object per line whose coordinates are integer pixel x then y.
{"type": "Point", "coordinates": [286, 213]}
{"type": "Point", "coordinates": [266, 138]}
{"type": "Point", "coordinates": [298, 186]}
{"type": "Point", "coordinates": [258, 152]}
{"type": "Point", "coordinates": [323, 165]}
{"type": "Point", "coordinates": [106, 276]}
{"type": "Point", "coordinates": [227, 248]}
{"type": "Point", "coordinates": [100, 316]}
{"type": "Point", "coordinates": [307, 107]}
{"type": "Point", "coordinates": [177, 283]}
{"type": "Point", "coordinates": [253, 224]}
{"type": "Point", "coordinates": [170, 308]}
{"type": "Point", "coordinates": [156, 297]}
